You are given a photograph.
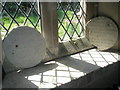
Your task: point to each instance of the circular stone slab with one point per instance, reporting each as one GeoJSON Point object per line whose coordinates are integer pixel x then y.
{"type": "Point", "coordinates": [102, 32]}
{"type": "Point", "coordinates": [24, 47]}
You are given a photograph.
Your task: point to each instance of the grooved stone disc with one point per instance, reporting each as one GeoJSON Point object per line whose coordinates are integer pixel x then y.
{"type": "Point", "coordinates": [102, 32]}
{"type": "Point", "coordinates": [24, 47]}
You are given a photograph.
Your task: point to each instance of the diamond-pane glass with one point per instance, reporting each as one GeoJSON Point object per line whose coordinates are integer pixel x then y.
{"type": "Point", "coordinates": [15, 14]}
{"type": "Point", "coordinates": [71, 16]}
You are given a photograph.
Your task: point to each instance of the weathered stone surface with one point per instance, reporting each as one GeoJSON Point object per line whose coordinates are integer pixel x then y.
{"type": "Point", "coordinates": [0, 49]}
{"type": "Point", "coordinates": [0, 62]}
{"type": "Point", "coordinates": [17, 80]}
{"type": "Point", "coordinates": [24, 47]}
{"type": "Point", "coordinates": [102, 32]}
{"type": "Point", "coordinates": [0, 76]}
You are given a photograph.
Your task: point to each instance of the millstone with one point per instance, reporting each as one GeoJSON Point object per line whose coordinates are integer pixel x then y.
{"type": "Point", "coordinates": [102, 32]}
{"type": "Point", "coordinates": [24, 47]}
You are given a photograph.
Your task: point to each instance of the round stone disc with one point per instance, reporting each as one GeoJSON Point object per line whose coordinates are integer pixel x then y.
{"type": "Point", "coordinates": [102, 32]}
{"type": "Point", "coordinates": [24, 47]}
